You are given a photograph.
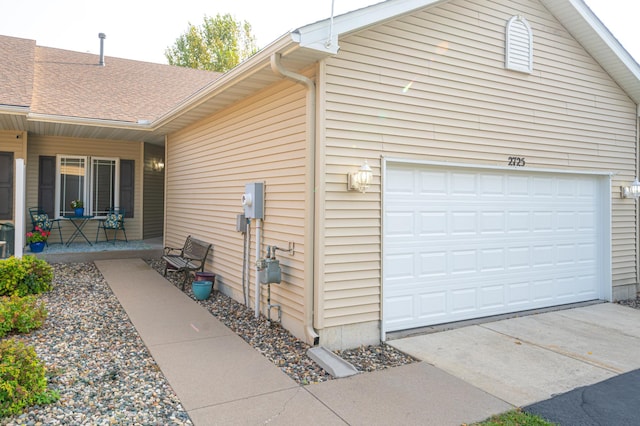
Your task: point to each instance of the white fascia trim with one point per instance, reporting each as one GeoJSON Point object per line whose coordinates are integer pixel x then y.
{"type": "Point", "coordinates": [606, 36]}
{"type": "Point", "coordinates": [316, 36]}
{"type": "Point", "coordinates": [94, 122]}
{"type": "Point", "coordinates": [598, 41]}
{"type": "Point", "coordinates": [247, 68]}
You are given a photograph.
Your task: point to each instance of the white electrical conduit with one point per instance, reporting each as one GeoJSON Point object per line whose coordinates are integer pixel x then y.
{"type": "Point", "coordinates": [245, 284]}
{"type": "Point", "coordinates": [309, 242]}
{"type": "Point", "coordinates": [245, 262]}
{"type": "Point", "coordinates": [328, 42]}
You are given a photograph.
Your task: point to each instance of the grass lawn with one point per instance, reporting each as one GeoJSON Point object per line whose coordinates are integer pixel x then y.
{"type": "Point", "coordinates": [515, 418]}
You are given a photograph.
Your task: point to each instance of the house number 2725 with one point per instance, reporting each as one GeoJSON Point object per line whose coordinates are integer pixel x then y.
{"type": "Point", "coordinates": [517, 161]}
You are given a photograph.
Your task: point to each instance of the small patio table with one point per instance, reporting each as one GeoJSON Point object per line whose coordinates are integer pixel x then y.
{"type": "Point", "coordinates": [79, 223]}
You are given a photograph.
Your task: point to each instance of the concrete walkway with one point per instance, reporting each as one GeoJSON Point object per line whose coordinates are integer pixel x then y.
{"type": "Point", "coordinates": [221, 380]}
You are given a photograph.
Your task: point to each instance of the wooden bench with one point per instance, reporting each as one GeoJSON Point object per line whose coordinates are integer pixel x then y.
{"type": "Point", "coordinates": [190, 258]}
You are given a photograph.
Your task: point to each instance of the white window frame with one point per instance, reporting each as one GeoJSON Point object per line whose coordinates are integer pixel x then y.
{"type": "Point", "coordinates": [87, 195]}
{"type": "Point", "coordinates": [116, 187]}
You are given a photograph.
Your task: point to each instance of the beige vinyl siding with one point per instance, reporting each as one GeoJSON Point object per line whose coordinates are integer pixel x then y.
{"type": "Point", "coordinates": [432, 86]}
{"type": "Point", "coordinates": [52, 146]}
{"type": "Point", "coordinates": [261, 139]}
{"type": "Point", "coordinates": [13, 142]}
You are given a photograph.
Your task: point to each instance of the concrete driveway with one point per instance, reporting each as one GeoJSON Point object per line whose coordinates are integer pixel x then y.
{"type": "Point", "coordinates": [531, 358]}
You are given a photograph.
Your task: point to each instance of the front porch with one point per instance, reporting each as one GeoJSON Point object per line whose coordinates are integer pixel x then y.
{"type": "Point", "coordinates": [83, 252]}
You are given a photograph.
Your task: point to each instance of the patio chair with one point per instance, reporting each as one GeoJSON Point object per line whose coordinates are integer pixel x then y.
{"type": "Point", "coordinates": [7, 238]}
{"type": "Point", "coordinates": [114, 220]}
{"type": "Point", "coordinates": [42, 220]}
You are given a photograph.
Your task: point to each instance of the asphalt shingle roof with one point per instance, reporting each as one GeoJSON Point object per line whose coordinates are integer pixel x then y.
{"type": "Point", "coordinates": [17, 57]}
{"type": "Point", "coordinates": [65, 83]}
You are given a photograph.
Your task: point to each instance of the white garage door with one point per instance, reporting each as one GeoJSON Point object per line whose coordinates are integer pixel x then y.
{"type": "Point", "coordinates": [465, 243]}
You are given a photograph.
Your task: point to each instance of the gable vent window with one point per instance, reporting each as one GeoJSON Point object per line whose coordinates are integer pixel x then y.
{"type": "Point", "coordinates": [519, 45]}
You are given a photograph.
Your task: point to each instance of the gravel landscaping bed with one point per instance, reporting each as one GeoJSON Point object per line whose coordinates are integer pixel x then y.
{"type": "Point", "coordinates": [97, 361]}
{"type": "Point", "coordinates": [632, 303]}
{"type": "Point", "coordinates": [105, 374]}
{"type": "Point", "coordinates": [278, 345]}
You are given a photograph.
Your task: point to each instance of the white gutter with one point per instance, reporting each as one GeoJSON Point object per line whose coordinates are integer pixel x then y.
{"type": "Point", "coordinates": [9, 109]}
{"type": "Point", "coordinates": [229, 79]}
{"type": "Point", "coordinates": [310, 181]}
{"type": "Point", "coordinates": [95, 122]}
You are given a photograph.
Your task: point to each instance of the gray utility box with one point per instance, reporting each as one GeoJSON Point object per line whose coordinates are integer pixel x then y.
{"type": "Point", "coordinates": [271, 272]}
{"type": "Point", "coordinates": [253, 200]}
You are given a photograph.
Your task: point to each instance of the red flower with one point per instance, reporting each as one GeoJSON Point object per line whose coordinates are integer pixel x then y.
{"type": "Point", "coordinates": [39, 235]}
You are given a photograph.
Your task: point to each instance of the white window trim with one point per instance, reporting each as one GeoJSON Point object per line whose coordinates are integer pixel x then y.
{"type": "Point", "coordinates": [116, 188]}
{"type": "Point", "coordinates": [88, 176]}
{"type": "Point", "coordinates": [59, 158]}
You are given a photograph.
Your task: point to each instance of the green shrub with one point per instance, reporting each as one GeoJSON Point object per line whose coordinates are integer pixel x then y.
{"type": "Point", "coordinates": [28, 275]}
{"type": "Point", "coordinates": [21, 314]}
{"type": "Point", "coordinates": [22, 379]}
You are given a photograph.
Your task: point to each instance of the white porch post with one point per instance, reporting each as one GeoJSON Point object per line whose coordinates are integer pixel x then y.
{"type": "Point", "coordinates": [19, 202]}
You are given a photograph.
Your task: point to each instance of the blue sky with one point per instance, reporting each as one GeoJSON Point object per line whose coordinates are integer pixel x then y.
{"type": "Point", "coordinates": [143, 29]}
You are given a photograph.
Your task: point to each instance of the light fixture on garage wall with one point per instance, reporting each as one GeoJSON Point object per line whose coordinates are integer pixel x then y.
{"type": "Point", "coordinates": [157, 166]}
{"type": "Point", "coordinates": [360, 180]}
{"type": "Point", "coordinates": [633, 190]}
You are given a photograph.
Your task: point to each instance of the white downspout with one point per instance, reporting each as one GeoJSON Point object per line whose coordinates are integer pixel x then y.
{"type": "Point", "coordinates": [258, 247]}
{"type": "Point", "coordinates": [310, 177]}
{"type": "Point", "coordinates": [637, 206]}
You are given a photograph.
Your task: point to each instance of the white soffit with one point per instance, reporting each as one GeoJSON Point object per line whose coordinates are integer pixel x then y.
{"type": "Point", "coordinates": [596, 38]}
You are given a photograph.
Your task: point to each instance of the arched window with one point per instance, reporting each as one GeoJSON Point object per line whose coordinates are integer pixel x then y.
{"type": "Point", "coordinates": [519, 45]}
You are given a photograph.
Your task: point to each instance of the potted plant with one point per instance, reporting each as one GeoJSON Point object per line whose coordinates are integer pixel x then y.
{"type": "Point", "coordinates": [37, 239]}
{"type": "Point", "coordinates": [78, 206]}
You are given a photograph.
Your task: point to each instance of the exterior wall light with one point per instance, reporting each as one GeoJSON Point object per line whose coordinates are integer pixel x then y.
{"type": "Point", "coordinates": [632, 190]}
{"type": "Point", "coordinates": [158, 166]}
{"type": "Point", "coordinates": [360, 180]}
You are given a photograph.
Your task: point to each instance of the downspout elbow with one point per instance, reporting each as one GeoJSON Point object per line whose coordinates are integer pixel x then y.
{"type": "Point", "coordinates": [278, 69]}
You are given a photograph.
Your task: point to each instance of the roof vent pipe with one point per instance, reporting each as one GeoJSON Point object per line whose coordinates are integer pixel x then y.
{"type": "Point", "coordinates": [102, 36]}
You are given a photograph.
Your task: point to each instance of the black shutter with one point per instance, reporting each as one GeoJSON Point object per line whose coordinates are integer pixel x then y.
{"type": "Point", "coordinates": [127, 184]}
{"type": "Point", "coordinates": [6, 185]}
{"type": "Point", "coordinates": [47, 184]}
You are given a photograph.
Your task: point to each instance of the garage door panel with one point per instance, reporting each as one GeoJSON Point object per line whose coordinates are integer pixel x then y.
{"type": "Point", "coordinates": [433, 264]}
{"type": "Point", "coordinates": [399, 310]}
{"type": "Point", "coordinates": [432, 224]}
{"type": "Point", "coordinates": [490, 260]}
{"type": "Point", "coordinates": [542, 290]}
{"type": "Point", "coordinates": [400, 182]}
{"type": "Point", "coordinates": [464, 300]}
{"type": "Point", "coordinates": [432, 305]}
{"type": "Point", "coordinates": [469, 243]}
{"type": "Point", "coordinates": [400, 266]}
{"type": "Point", "coordinates": [431, 183]}
{"type": "Point", "coordinates": [492, 297]}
